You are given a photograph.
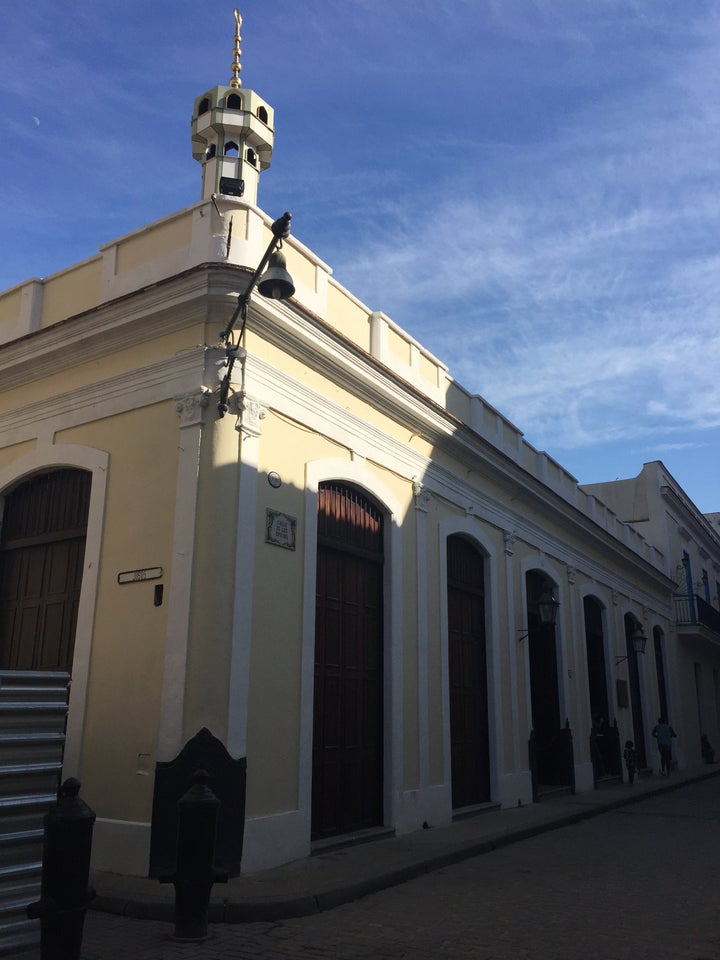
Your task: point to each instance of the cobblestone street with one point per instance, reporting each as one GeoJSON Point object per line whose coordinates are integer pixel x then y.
{"type": "Point", "coordinates": [639, 882]}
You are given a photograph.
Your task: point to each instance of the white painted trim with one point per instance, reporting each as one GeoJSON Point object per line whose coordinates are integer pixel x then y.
{"type": "Point", "coordinates": [96, 462]}
{"type": "Point", "coordinates": [575, 674]}
{"type": "Point", "coordinates": [514, 633]}
{"type": "Point", "coordinates": [515, 789]}
{"type": "Point", "coordinates": [121, 846]}
{"type": "Point", "coordinates": [431, 805]}
{"type": "Point", "coordinates": [422, 601]}
{"type": "Point", "coordinates": [174, 682]}
{"type": "Point", "coordinates": [283, 393]}
{"type": "Point", "coordinates": [645, 696]}
{"type": "Point", "coordinates": [274, 840]}
{"type": "Point", "coordinates": [241, 641]}
{"type": "Point", "coordinates": [104, 398]}
{"type": "Point", "coordinates": [584, 775]}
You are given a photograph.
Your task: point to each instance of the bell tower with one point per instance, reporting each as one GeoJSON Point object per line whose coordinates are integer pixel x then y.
{"type": "Point", "coordinates": [232, 135]}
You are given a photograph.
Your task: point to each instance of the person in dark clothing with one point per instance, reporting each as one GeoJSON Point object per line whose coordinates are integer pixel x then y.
{"type": "Point", "coordinates": [664, 734]}
{"type": "Point", "coordinates": [630, 758]}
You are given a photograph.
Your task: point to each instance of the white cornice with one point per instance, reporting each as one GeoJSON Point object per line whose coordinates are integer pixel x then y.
{"type": "Point", "coordinates": [159, 310]}
{"type": "Point", "coordinates": [169, 378]}
{"type": "Point", "coordinates": [691, 516]}
{"type": "Point", "coordinates": [285, 395]}
{"type": "Point", "coordinates": [324, 350]}
{"type": "Point", "coordinates": [206, 292]}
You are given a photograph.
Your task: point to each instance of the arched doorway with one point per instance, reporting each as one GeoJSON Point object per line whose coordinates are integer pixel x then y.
{"type": "Point", "coordinates": [347, 783]}
{"type": "Point", "coordinates": [551, 744]}
{"type": "Point", "coordinates": [467, 660]}
{"type": "Point", "coordinates": [604, 742]}
{"type": "Point", "coordinates": [595, 646]}
{"type": "Point", "coordinates": [42, 546]}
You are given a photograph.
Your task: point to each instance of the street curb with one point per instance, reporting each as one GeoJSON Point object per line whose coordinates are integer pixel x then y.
{"type": "Point", "coordinates": [294, 906]}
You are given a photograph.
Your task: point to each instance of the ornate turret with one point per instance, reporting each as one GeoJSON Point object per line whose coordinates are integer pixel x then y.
{"type": "Point", "coordinates": [232, 135]}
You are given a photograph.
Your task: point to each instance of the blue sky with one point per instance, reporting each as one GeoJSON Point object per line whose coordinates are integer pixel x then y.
{"type": "Point", "coordinates": [531, 188]}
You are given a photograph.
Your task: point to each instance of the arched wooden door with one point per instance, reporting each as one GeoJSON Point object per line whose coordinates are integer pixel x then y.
{"type": "Point", "coordinates": [597, 676]}
{"type": "Point", "coordinates": [467, 660]}
{"type": "Point", "coordinates": [347, 786]}
{"type": "Point", "coordinates": [42, 547]}
{"type": "Point", "coordinates": [603, 739]}
{"type": "Point", "coordinates": [544, 689]}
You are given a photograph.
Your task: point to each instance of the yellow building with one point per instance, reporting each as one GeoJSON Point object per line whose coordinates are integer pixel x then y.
{"type": "Point", "coordinates": [302, 535]}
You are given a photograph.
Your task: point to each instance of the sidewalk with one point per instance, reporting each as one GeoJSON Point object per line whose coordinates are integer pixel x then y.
{"type": "Point", "coordinates": [341, 874]}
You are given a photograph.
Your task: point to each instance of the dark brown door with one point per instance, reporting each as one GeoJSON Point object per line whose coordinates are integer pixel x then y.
{"type": "Point", "coordinates": [348, 705]}
{"type": "Point", "coordinates": [41, 566]}
{"type": "Point", "coordinates": [597, 678]}
{"type": "Point", "coordinates": [469, 740]}
{"type": "Point", "coordinates": [550, 746]}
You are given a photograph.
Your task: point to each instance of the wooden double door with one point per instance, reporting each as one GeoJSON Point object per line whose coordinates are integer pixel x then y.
{"type": "Point", "coordinates": [41, 565]}
{"type": "Point", "coordinates": [347, 780]}
{"type": "Point", "coordinates": [467, 657]}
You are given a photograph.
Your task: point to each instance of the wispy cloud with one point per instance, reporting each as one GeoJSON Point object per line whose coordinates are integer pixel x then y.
{"type": "Point", "coordinates": [574, 283]}
{"type": "Point", "coordinates": [530, 187]}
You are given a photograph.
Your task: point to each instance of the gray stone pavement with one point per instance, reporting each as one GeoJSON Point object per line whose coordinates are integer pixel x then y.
{"type": "Point", "coordinates": [639, 881]}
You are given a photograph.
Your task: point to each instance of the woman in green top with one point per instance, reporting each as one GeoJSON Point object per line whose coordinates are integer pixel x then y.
{"type": "Point", "coordinates": [664, 734]}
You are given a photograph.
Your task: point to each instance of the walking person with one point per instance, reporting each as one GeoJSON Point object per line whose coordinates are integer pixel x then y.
{"type": "Point", "coordinates": [664, 734]}
{"type": "Point", "coordinates": [630, 760]}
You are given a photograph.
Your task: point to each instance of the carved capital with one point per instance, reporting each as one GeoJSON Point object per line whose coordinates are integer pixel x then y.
{"type": "Point", "coordinates": [509, 540]}
{"type": "Point", "coordinates": [250, 414]}
{"type": "Point", "coordinates": [571, 574]}
{"type": "Point", "coordinates": [421, 495]}
{"type": "Point", "coordinates": [192, 407]}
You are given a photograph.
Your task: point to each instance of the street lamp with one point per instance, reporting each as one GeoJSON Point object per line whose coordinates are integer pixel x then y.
{"type": "Point", "coordinates": [547, 606]}
{"type": "Point", "coordinates": [276, 284]}
{"type": "Point", "coordinates": [638, 640]}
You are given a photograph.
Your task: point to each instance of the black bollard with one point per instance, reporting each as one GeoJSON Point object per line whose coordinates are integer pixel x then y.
{"type": "Point", "coordinates": [64, 891]}
{"type": "Point", "coordinates": [195, 870]}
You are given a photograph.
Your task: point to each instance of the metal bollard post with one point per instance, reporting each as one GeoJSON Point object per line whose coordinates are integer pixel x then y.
{"type": "Point", "coordinates": [64, 892]}
{"type": "Point", "coordinates": [195, 867]}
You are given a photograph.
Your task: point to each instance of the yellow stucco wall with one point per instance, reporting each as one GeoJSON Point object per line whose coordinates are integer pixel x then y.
{"type": "Point", "coordinates": [11, 454]}
{"type": "Point", "coordinates": [72, 291]}
{"type": "Point", "coordinates": [347, 316]}
{"type": "Point", "coordinates": [322, 385]}
{"type": "Point", "coordinates": [128, 643]}
{"type": "Point", "coordinates": [213, 590]}
{"type": "Point", "coordinates": [144, 246]}
{"type": "Point", "coordinates": [86, 374]}
{"type": "Point", "coordinates": [10, 301]}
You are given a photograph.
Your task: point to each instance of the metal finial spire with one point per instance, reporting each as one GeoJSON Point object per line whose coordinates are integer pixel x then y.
{"type": "Point", "coordinates": [236, 68]}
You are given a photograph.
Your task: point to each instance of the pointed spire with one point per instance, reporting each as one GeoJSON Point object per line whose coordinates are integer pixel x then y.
{"type": "Point", "coordinates": [236, 68]}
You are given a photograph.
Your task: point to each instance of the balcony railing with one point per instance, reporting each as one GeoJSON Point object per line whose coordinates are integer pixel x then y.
{"type": "Point", "coordinates": [697, 612]}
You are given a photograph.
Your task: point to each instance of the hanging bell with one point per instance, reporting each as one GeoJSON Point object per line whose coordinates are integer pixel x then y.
{"type": "Point", "coordinates": [276, 283]}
